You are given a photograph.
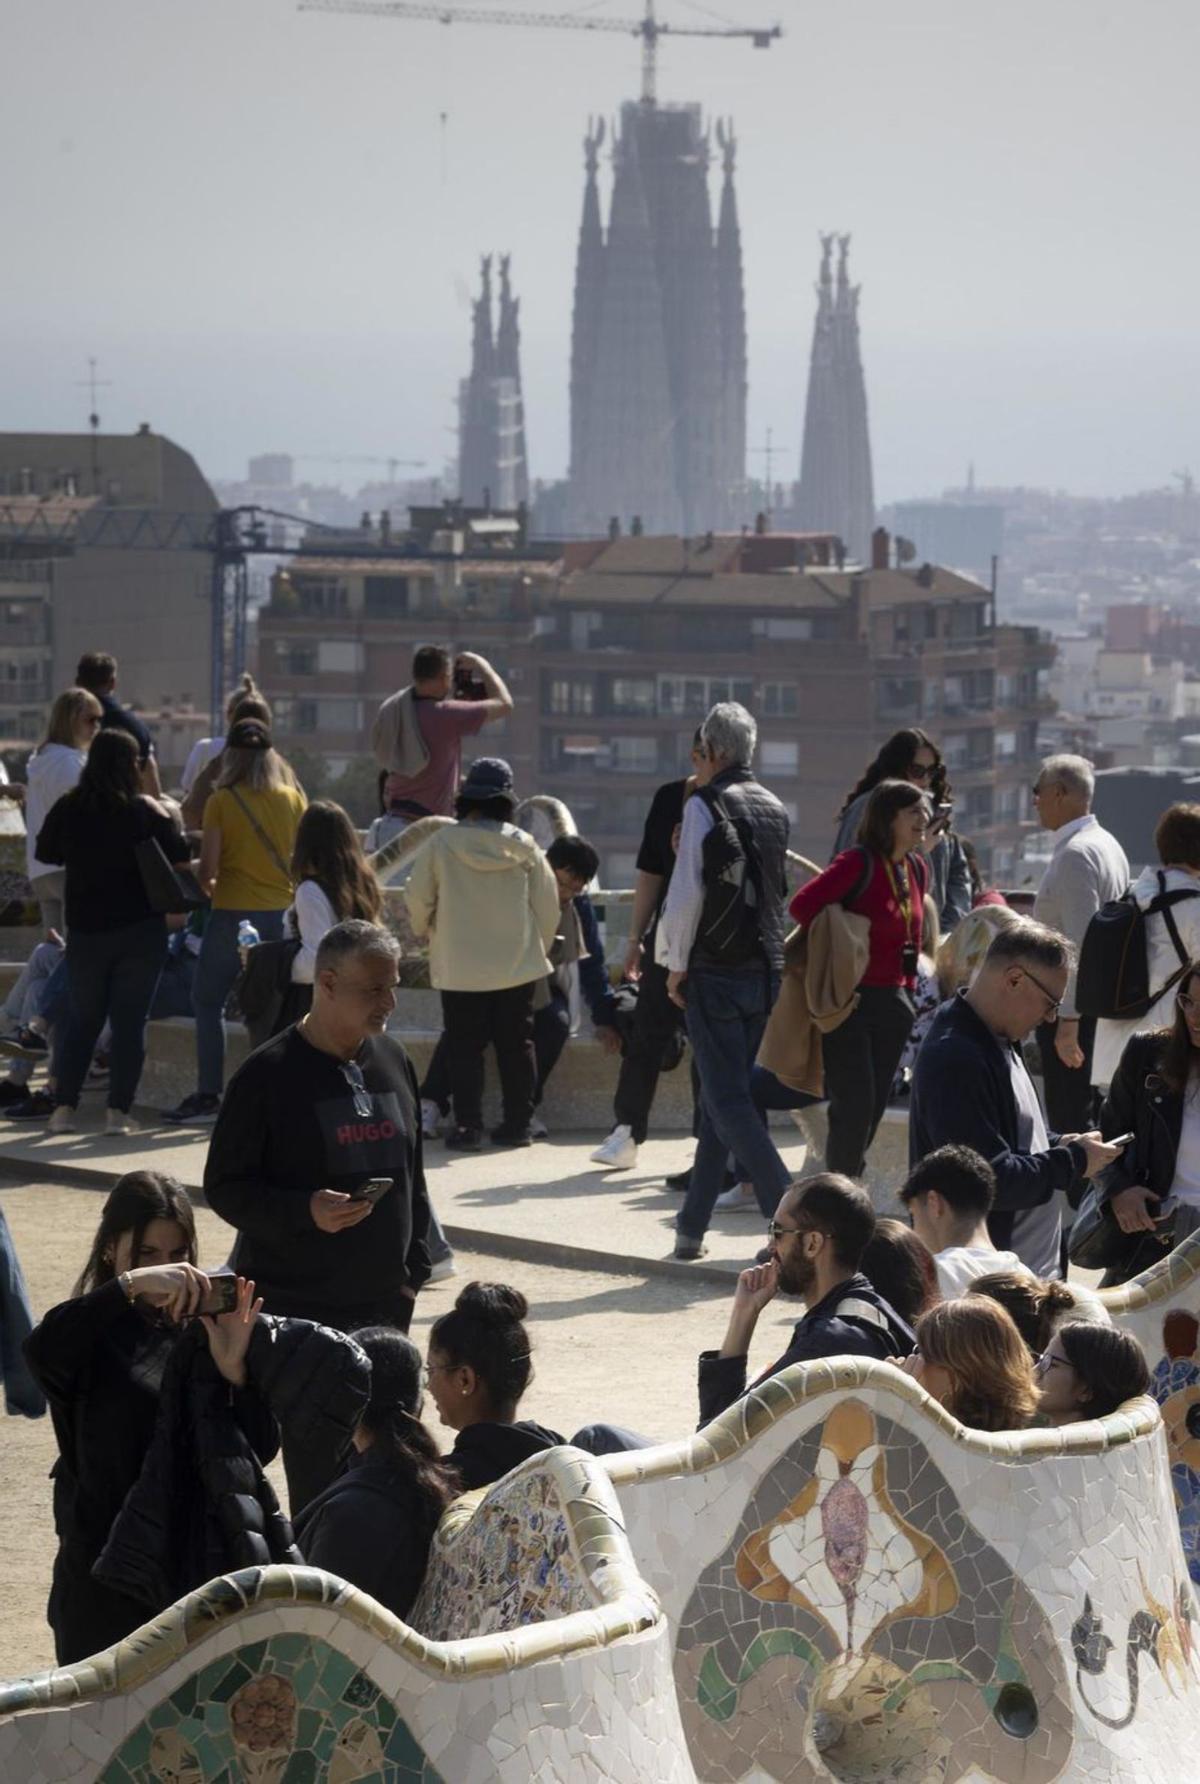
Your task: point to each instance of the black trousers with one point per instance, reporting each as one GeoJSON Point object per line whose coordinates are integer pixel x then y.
{"type": "Point", "coordinates": [655, 1024]}
{"type": "Point", "coordinates": [551, 1032]}
{"type": "Point", "coordinates": [473, 1019]}
{"type": "Point", "coordinates": [860, 1062]}
{"type": "Point", "coordinates": [1068, 1095]}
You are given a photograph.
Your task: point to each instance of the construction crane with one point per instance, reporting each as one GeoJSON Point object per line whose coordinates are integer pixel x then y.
{"type": "Point", "coordinates": [649, 28]}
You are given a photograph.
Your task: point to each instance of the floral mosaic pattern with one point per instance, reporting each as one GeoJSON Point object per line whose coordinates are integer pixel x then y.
{"type": "Point", "coordinates": [504, 1563]}
{"type": "Point", "coordinates": [857, 1626]}
{"type": "Point", "coordinates": [289, 1710]}
{"type": "Point", "coordinates": [1164, 1632]}
{"type": "Point", "coordinates": [1176, 1387]}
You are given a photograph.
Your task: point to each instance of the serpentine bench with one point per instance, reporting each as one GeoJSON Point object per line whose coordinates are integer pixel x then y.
{"type": "Point", "coordinates": [860, 1588]}
{"type": "Point", "coordinates": [550, 1661]}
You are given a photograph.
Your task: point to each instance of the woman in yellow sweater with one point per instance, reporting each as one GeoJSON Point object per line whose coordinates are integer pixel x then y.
{"type": "Point", "coordinates": [250, 824]}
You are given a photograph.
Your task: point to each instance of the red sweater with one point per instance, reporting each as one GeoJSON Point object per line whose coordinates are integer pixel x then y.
{"type": "Point", "coordinates": [878, 901]}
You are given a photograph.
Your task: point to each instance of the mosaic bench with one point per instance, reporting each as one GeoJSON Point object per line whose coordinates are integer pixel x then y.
{"type": "Point", "coordinates": [1162, 1309]}
{"type": "Point", "coordinates": [560, 1668]}
{"type": "Point", "coordinates": [859, 1588]}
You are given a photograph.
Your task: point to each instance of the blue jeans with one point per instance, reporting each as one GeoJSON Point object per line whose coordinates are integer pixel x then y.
{"type": "Point", "coordinates": [217, 966]}
{"type": "Point", "coordinates": [110, 973]}
{"type": "Point", "coordinates": [726, 1015]}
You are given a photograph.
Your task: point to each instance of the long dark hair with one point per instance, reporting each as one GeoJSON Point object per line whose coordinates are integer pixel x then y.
{"type": "Point", "coordinates": [484, 1330]}
{"type": "Point", "coordinates": [1109, 1362]}
{"type": "Point", "coordinates": [328, 851]}
{"type": "Point", "coordinates": [887, 801]}
{"type": "Point", "coordinates": [1179, 1059]}
{"type": "Point", "coordinates": [893, 763]}
{"type": "Point", "coordinates": [134, 1201]}
{"type": "Point", "coordinates": [393, 1418]}
{"type": "Point", "coordinates": [112, 773]}
{"type": "Point", "coordinates": [900, 1267]}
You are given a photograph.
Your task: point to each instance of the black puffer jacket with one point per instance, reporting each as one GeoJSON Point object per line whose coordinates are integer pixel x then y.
{"type": "Point", "coordinates": [317, 1383]}
{"type": "Point", "coordinates": [201, 1505]}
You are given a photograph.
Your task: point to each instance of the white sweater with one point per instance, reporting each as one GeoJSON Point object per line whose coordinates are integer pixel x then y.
{"type": "Point", "coordinates": [309, 920]}
{"type": "Point", "coordinates": [53, 770]}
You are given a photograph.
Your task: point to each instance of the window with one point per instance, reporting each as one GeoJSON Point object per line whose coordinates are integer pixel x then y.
{"type": "Point", "coordinates": [296, 659]}
{"type": "Point", "coordinates": [322, 595]}
{"type": "Point", "coordinates": [633, 755]}
{"type": "Point", "coordinates": [696, 694]}
{"type": "Point", "coordinates": [339, 715]}
{"type": "Point", "coordinates": [898, 697]}
{"type": "Point", "coordinates": [569, 697]}
{"type": "Point", "coordinates": [1006, 745]}
{"type": "Point", "coordinates": [340, 656]}
{"type": "Point", "coordinates": [385, 597]}
{"type": "Point", "coordinates": [779, 700]}
{"type": "Point", "coordinates": [783, 629]}
{"type": "Point", "coordinates": [582, 627]}
{"type": "Point", "coordinates": [780, 756]}
{"type": "Point", "coordinates": [954, 750]}
{"type": "Point", "coordinates": [638, 697]}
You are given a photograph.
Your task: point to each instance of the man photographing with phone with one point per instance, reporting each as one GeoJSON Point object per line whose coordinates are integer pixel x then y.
{"type": "Point", "coordinates": [316, 1154]}
{"type": "Point", "coordinates": [418, 733]}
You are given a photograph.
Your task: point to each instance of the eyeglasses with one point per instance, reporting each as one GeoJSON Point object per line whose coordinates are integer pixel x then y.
{"type": "Point", "coordinates": [1054, 1003]}
{"type": "Point", "coordinates": [364, 1108]}
{"type": "Point", "coordinates": [775, 1231]}
{"type": "Point", "coordinates": [428, 1369]}
{"type": "Point", "coordinates": [922, 770]}
{"type": "Point", "coordinates": [1043, 1364]}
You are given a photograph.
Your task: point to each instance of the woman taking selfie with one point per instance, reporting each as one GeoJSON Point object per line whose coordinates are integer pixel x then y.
{"type": "Point", "coordinates": [911, 755]}
{"type": "Point", "coordinates": [1153, 1189]}
{"type": "Point", "coordinates": [882, 878]}
{"type": "Point", "coordinates": [374, 1525]}
{"type": "Point", "coordinates": [100, 1359]}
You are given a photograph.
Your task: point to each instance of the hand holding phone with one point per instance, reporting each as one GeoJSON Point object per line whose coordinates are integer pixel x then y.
{"type": "Point", "coordinates": [373, 1190]}
{"type": "Point", "coordinates": [221, 1296]}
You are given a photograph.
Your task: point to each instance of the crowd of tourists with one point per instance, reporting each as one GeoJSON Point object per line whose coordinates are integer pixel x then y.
{"type": "Point", "coordinates": [893, 973]}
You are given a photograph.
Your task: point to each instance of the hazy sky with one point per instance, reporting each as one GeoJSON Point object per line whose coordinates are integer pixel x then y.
{"type": "Point", "coordinates": [257, 221]}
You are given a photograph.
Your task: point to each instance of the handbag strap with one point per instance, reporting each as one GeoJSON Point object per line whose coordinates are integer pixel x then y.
{"type": "Point", "coordinates": [262, 836]}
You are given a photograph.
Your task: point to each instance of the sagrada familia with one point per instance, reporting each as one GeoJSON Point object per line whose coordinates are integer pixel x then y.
{"type": "Point", "coordinates": [659, 356]}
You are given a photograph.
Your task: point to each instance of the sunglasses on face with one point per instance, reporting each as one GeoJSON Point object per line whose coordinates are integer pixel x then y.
{"type": "Point", "coordinates": [922, 771]}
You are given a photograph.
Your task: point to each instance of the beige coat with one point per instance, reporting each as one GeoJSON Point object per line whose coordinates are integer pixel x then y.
{"type": "Point", "coordinates": [487, 898]}
{"type": "Point", "coordinates": [823, 966]}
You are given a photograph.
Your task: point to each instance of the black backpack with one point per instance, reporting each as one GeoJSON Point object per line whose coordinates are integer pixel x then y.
{"type": "Point", "coordinates": [1113, 980]}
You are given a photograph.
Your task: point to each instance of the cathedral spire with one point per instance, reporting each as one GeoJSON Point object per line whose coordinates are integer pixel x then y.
{"type": "Point", "coordinates": [513, 480]}
{"type": "Point", "coordinates": [589, 287]}
{"type": "Point", "coordinates": [836, 485]}
{"type": "Point", "coordinates": [732, 307]}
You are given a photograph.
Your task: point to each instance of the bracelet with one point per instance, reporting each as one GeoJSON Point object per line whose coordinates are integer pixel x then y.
{"type": "Point", "coordinates": [126, 1285]}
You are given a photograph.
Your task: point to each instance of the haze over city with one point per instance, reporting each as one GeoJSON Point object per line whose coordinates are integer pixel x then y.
{"type": "Point", "coordinates": [265, 224]}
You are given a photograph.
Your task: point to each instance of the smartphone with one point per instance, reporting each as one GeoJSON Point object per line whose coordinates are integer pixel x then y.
{"type": "Point", "coordinates": [373, 1190]}
{"type": "Point", "coordinates": [1122, 1140]}
{"type": "Point", "coordinates": [222, 1296]}
{"type": "Point", "coordinates": [467, 685]}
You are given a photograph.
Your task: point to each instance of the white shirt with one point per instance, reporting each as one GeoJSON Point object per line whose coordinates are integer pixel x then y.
{"type": "Point", "coordinates": [1036, 1232]}
{"type": "Point", "coordinates": [685, 894]}
{"type": "Point", "coordinates": [53, 770]}
{"type": "Point", "coordinates": [202, 752]}
{"type": "Point", "coordinates": [1087, 869]}
{"type": "Point", "coordinates": [310, 919]}
{"type": "Point", "coordinates": [961, 1265]}
{"type": "Point", "coordinates": [1186, 1183]}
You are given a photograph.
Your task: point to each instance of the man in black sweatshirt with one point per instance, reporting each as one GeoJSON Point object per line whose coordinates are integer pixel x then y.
{"type": "Point", "coordinates": [304, 1124]}
{"type": "Point", "coordinates": [820, 1231]}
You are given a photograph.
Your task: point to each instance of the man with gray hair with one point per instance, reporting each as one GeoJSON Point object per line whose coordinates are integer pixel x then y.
{"type": "Point", "coordinates": [971, 1088]}
{"type": "Point", "coordinates": [316, 1154]}
{"type": "Point", "coordinates": [1087, 868]}
{"type": "Point", "coordinates": [722, 935]}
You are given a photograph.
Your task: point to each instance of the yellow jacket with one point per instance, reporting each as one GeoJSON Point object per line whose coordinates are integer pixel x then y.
{"type": "Point", "coordinates": [487, 898]}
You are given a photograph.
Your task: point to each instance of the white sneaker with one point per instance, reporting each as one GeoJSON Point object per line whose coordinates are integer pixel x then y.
{"type": "Point", "coordinates": [741, 1198]}
{"type": "Point", "coordinates": [62, 1121]}
{"type": "Point", "coordinates": [431, 1119]}
{"type": "Point", "coordinates": [619, 1152]}
{"type": "Point", "coordinates": [116, 1121]}
{"type": "Point", "coordinates": [538, 1129]}
{"type": "Point", "coordinates": [442, 1270]}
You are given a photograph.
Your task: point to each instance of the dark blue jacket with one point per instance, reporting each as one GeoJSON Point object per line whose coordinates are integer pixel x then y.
{"type": "Point", "coordinates": [853, 1320]}
{"type": "Point", "coordinates": [593, 972]}
{"type": "Point", "coordinates": [962, 1095]}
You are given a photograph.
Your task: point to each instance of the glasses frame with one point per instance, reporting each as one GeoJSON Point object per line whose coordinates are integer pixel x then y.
{"type": "Point", "coordinates": [364, 1108]}
{"type": "Point", "coordinates": [1056, 1003]}
{"type": "Point", "coordinates": [922, 771]}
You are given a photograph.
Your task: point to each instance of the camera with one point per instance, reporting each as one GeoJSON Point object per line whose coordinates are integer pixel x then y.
{"type": "Point", "coordinates": [466, 684]}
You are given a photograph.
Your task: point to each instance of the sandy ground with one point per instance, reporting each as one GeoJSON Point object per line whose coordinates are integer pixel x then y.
{"type": "Point", "coordinates": [620, 1348]}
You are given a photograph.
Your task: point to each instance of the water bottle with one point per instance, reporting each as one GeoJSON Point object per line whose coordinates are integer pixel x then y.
{"type": "Point", "coordinates": [247, 938]}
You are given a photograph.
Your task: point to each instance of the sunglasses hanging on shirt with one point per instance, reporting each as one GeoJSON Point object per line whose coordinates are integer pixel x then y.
{"type": "Point", "coordinates": [363, 1106]}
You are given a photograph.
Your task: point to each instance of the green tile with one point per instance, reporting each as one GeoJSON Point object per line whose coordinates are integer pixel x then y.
{"type": "Point", "coordinates": [237, 1676]}
{"type": "Point", "coordinates": [301, 1768]}
{"type": "Point", "coordinates": [252, 1655]}
{"type": "Point", "coordinates": [288, 1650]}
{"type": "Point", "coordinates": [360, 1692]}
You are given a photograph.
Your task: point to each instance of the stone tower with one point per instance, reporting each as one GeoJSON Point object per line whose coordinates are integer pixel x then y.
{"type": "Point", "coordinates": [658, 350]}
{"type": "Point", "coordinates": [492, 465]}
{"type": "Point", "coordinates": [837, 493]}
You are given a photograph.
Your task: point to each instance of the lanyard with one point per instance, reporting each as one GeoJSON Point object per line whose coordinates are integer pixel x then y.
{"type": "Point", "coordinates": [902, 887]}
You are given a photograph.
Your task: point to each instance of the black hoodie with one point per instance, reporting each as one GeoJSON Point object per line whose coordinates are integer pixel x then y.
{"type": "Point", "coordinates": [484, 1452]}
{"type": "Point", "coordinates": [853, 1320]}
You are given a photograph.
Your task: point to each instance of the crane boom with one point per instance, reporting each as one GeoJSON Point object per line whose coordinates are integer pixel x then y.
{"type": "Point", "coordinates": [649, 28]}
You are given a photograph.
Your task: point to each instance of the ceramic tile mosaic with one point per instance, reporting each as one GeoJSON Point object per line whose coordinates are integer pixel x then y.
{"type": "Point", "coordinates": [860, 1589]}
{"type": "Point", "coordinates": [289, 1676]}
{"type": "Point", "coordinates": [1162, 1309]}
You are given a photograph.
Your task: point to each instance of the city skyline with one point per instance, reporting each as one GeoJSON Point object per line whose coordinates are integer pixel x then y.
{"type": "Point", "coordinates": [291, 268]}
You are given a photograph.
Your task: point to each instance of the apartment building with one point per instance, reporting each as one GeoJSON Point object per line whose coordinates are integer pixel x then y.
{"type": "Point", "coordinates": [615, 649]}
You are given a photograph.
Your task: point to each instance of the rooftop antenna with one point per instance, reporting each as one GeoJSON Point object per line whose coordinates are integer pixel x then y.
{"type": "Point", "coordinates": [93, 384]}
{"type": "Point", "coordinates": [768, 454]}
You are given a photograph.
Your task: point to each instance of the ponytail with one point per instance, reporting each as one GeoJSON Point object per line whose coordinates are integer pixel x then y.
{"type": "Point", "coordinates": [392, 1418]}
